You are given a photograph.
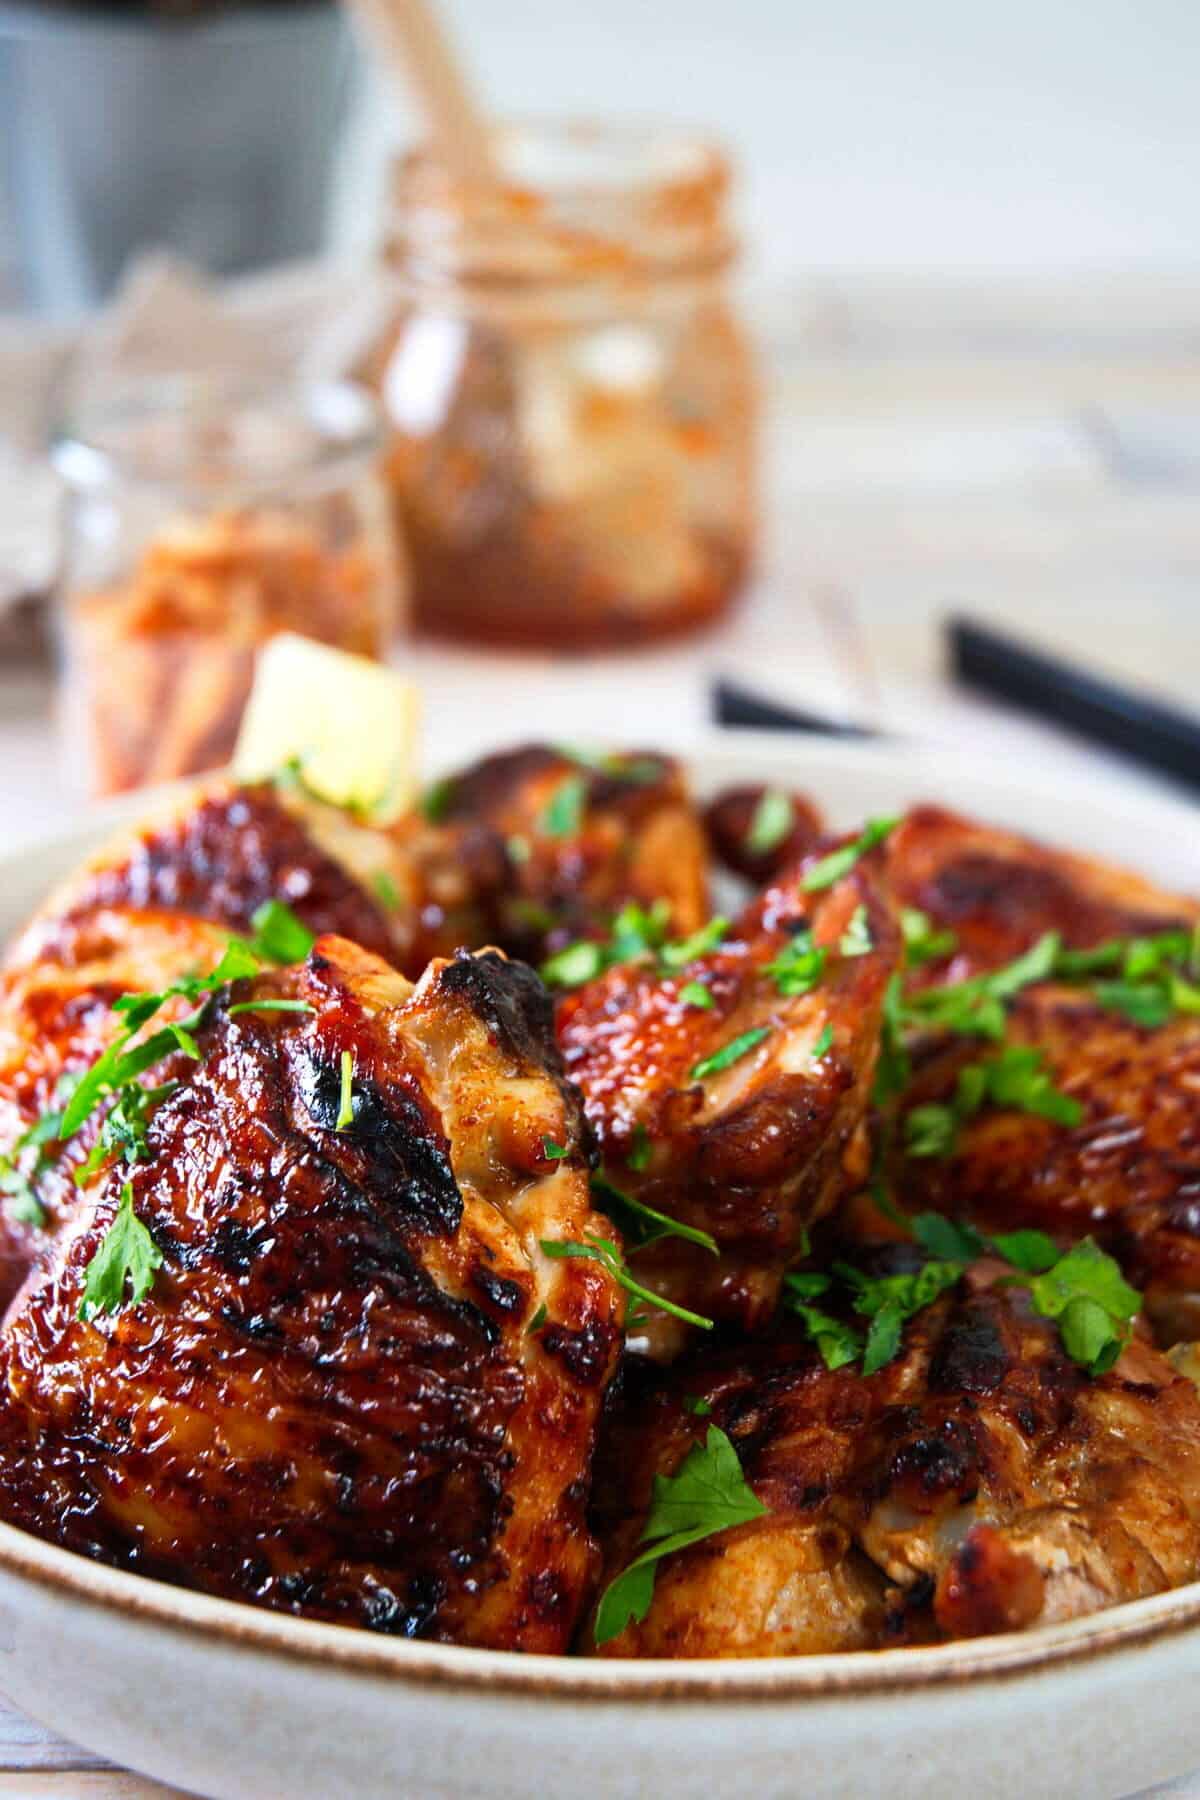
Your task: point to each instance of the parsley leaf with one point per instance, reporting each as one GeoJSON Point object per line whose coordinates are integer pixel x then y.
{"type": "Point", "coordinates": [1143, 1003]}
{"type": "Point", "coordinates": [606, 1253]}
{"type": "Point", "coordinates": [345, 1116]}
{"type": "Point", "coordinates": [823, 1043]}
{"type": "Point", "coordinates": [948, 1240]}
{"type": "Point", "coordinates": [697, 1406]}
{"type": "Point", "coordinates": [1087, 1274]}
{"type": "Point", "coordinates": [126, 1254]}
{"type": "Point", "coordinates": [640, 1223]}
{"type": "Point", "coordinates": [279, 936]}
{"type": "Point", "coordinates": [694, 993]}
{"type": "Point", "coordinates": [553, 1152]}
{"type": "Point", "coordinates": [923, 942]}
{"type": "Point", "coordinates": [838, 863]}
{"type": "Point", "coordinates": [729, 1053]}
{"type": "Point", "coordinates": [263, 1006]}
{"type": "Point", "coordinates": [856, 940]}
{"type": "Point", "coordinates": [677, 956]}
{"type": "Point", "coordinates": [386, 891]}
{"type": "Point", "coordinates": [837, 1343]}
{"type": "Point", "coordinates": [894, 1067]}
{"type": "Point", "coordinates": [574, 965]}
{"type": "Point", "coordinates": [774, 817]}
{"type": "Point", "coordinates": [799, 965]}
{"type": "Point", "coordinates": [707, 1494]}
{"type": "Point", "coordinates": [638, 1156]}
{"type": "Point", "coordinates": [563, 812]}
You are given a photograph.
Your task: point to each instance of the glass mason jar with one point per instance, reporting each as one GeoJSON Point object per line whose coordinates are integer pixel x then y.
{"type": "Point", "coordinates": [568, 391]}
{"type": "Point", "coordinates": [202, 519]}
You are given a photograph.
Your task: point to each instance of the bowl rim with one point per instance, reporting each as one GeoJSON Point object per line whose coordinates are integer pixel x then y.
{"type": "Point", "coordinates": [452, 1668]}
{"type": "Point", "coordinates": [615, 1680]}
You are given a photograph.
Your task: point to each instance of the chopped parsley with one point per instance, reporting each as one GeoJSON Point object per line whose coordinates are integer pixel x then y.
{"type": "Point", "coordinates": [1016, 1080]}
{"type": "Point", "coordinates": [636, 931]}
{"type": "Point", "coordinates": [279, 936]}
{"type": "Point", "coordinates": [126, 1256]}
{"type": "Point", "coordinates": [553, 1152]}
{"type": "Point", "coordinates": [823, 1044]}
{"type": "Point", "coordinates": [345, 1116]}
{"type": "Point", "coordinates": [799, 965]}
{"type": "Point", "coordinates": [708, 1493]}
{"type": "Point", "coordinates": [730, 1053]}
{"type": "Point", "coordinates": [574, 965]}
{"type": "Point", "coordinates": [678, 955]}
{"type": "Point", "coordinates": [640, 1223]}
{"type": "Point", "coordinates": [606, 1253]}
{"type": "Point", "coordinates": [694, 993]}
{"type": "Point", "coordinates": [268, 1006]}
{"type": "Point", "coordinates": [386, 891]}
{"type": "Point", "coordinates": [563, 813]}
{"type": "Point", "coordinates": [698, 1407]}
{"type": "Point", "coordinates": [436, 801]}
{"type": "Point", "coordinates": [538, 1320]}
{"type": "Point", "coordinates": [923, 941]}
{"type": "Point", "coordinates": [856, 940]}
{"type": "Point", "coordinates": [838, 863]}
{"type": "Point", "coordinates": [774, 817]}
{"type": "Point", "coordinates": [638, 1156]}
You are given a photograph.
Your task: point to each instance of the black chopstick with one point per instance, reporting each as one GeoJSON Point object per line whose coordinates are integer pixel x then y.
{"type": "Point", "coordinates": [734, 705]}
{"type": "Point", "coordinates": [1146, 731]}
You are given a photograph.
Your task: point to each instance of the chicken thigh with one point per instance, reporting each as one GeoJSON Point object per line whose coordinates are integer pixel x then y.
{"type": "Point", "coordinates": [337, 1375]}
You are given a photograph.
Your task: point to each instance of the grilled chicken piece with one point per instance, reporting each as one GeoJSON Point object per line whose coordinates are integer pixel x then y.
{"type": "Point", "coordinates": [731, 819]}
{"type": "Point", "coordinates": [157, 904]}
{"type": "Point", "coordinates": [582, 840]}
{"type": "Point", "coordinates": [332, 1401]}
{"type": "Point", "coordinates": [1130, 1171]}
{"type": "Point", "coordinates": [981, 1482]}
{"type": "Point", "coordinates": [754, 1151]}
{"type": "Point", "coordinates": [999, 893]}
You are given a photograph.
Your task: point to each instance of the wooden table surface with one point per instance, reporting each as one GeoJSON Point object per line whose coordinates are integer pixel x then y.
{"type": "Point", "coordinates": [1032, 456]}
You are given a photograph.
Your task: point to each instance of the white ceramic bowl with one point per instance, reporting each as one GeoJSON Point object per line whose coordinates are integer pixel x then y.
{"type": "Point", "coordinates": [232, 1702]}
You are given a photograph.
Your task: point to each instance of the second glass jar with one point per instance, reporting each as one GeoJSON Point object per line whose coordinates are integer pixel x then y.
{"type": "Point", "coordinates": [568, 391]}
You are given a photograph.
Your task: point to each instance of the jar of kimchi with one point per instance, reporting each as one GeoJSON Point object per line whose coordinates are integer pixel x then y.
{"type": "Point", "coordinates": [203, 517]}
{"type": "Point", "coordinates": [567, 390]}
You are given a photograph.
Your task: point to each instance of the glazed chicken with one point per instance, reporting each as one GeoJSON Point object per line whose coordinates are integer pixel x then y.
{"type": "Point", "coordinates": [358, 1388]}
{"type": "Point", "coordinates": [583, 839]}
{"type": "Point", "coordinates": [758, 832]}
{"type": "Point", "coordinates": [1129, 1170]}
{"type": "Point", "coordinates": [741, 1117]}
{"type": "Point", "coordinates": [981, 1482]}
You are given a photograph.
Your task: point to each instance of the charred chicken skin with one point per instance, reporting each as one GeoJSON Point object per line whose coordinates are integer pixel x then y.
{"type": "Point", "coordinates": [743, 1117]}
{"type": "Point", "coordinates": [1128, 1170]}
{"type": "Point", "coordinates": [583, 839]}
{"type": "Point", "coordinates": [980, 1482]}
{"type": "Point", "coordinates": [332, 1401]}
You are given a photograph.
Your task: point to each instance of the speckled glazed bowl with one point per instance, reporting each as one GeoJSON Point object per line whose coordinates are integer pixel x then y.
{"type": "Point", "coordinates": [229, 1701]}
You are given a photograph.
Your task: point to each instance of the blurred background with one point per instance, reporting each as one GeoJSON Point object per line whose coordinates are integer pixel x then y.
{"type": "Point", "coordinates": [932, 352]}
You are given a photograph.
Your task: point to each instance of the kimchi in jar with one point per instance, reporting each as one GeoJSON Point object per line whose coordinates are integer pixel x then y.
{"type": "Point", "coordinates": [568, 391]}
{"type": "Point", "coordinates": [204, 519]}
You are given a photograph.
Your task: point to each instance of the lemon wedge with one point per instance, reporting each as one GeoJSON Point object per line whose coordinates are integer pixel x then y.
{"type": "Point", "coordinates": [348, 725]}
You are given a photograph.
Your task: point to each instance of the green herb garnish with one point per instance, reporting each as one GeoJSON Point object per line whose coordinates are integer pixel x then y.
{"type": "Point", "coordinates": [638, 1155]}
{"type": "Point", "coordinates": [923, 941]}
{"type": "Point", "coordinates": [798, 967]}
{"type": "Point", "coordinates": [729, 1053]}
{"type": "Point", "coordinates": [694, 993]}
{"type": "Point", "coordinates": [640, 1223]}
{"type": "Point", "coordinates": [697, 1406]}
{"type": "Point", "coordinates": [126, 1256]}
{"type": "Point", "coordinates": [838, 863]}
{"type": "Point", "coordinates": [707, 1494]}
{"type": "Point", "coordinates": [345, 1116]}
{"type": "Point", "coordinates": [386, 891]}
{"type": "Point", "coordinates": [856, 940]}
{"type": "Point", "coordinates": [553, 1152]}
{"type": "Point", "coordinates": [606, 1253]}
{"type": "Point", "coordinates": [823, 1044]}
{"type": "Point", "coordinates": [563, 812]}
{"type": "Point", "coordinates": [279, 936]}
{"type": "Point", "coordinates": [678, 955]}
{"type": "Point", "coordinates": [774, 817]}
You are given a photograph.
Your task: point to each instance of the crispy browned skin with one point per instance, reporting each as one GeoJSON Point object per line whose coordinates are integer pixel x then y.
{"type": "Point", "coordinates": [729, 820]}
{"type": "Point", "coordinates": [999, 892]}
{"type": "Point", "coordinates": [979, 1483]}
{"type": "Point", "coordinates": [158, 903]}
{"type": "Point", "coordinates": [1130, 1172]}
{"type": "Point", "coordinates": [638, 839]}
{"type": "Point", "coordinates": [754, 1153]}
{"type": "Point", "coordinates": [331, 1402]}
